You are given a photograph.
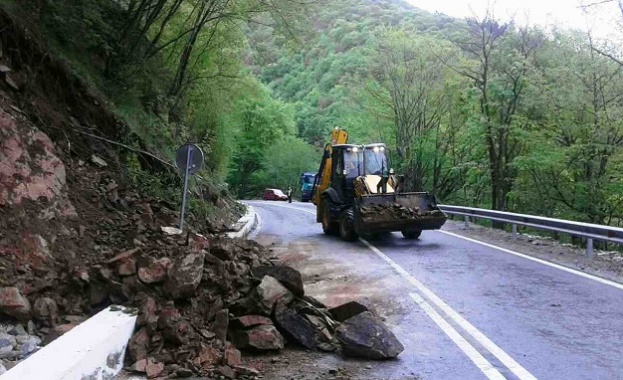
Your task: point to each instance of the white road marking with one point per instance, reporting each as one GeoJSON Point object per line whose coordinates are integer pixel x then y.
{"type": "Point", "coordinates": [483, 364]}
{"type": "Point", "coordinates": [540, 261]}
{"type": "Point", "coordinates": [293, 208]}
{"type": "Point", "coordinates": [476, 357]}
{"type": "Point", "coordinates": [502, 356]}
{"type": "Point", "coordinates": [527, 257]}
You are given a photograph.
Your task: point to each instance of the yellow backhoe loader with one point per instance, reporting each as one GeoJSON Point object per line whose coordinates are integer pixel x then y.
{"type": "Point", "coordinates": [356, 192]}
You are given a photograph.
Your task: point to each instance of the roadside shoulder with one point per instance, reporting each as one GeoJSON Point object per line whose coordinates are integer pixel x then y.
{"type": "Point", "coordinates": [607, 265]}
{"type": "Point", "coordinates": [245, 225]}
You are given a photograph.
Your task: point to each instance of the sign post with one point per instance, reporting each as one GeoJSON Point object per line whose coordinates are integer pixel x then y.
{"type": "Point", "coordinates": [189, 158]}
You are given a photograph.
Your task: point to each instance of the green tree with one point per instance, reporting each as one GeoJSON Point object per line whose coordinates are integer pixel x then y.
{"type": "Point", "coordinates": [284, 163]}
{"type": "Point", "coordinates": [498, 61]}
{"type": "Point", "coordinates": [260, 122]}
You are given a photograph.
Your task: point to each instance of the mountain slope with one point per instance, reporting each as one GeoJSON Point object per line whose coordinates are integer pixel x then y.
{"type": "Point", "coordinates": [318, 75]}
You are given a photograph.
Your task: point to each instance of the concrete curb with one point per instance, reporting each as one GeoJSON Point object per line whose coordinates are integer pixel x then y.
{"type": "Point", "coordinates": [245, 225]}
{"type": "Point", "coordinates": [93, 350]}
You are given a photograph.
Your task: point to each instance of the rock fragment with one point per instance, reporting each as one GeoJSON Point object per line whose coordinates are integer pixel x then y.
{"type": "Point", "coordinates": [264, 337]}
{"type": "Point", "coordinates": [153, 270]}
{"type": "Point", "coordinates": [269, 291]}
{"type": "Point", "coordinates": [287, 276]}
{"type": "Point", "coordinates": [14, 304]}
{"type": "Point", "coordinates": [184, 276]}
{"type": "Point", "coordinates": [247, 321]}
{"type": "Point", "coordinates": [348, 310]}
{"type": "Point", "coordinates": [366, 336]}
{"type": "Point", "coordinates": [296, 326]}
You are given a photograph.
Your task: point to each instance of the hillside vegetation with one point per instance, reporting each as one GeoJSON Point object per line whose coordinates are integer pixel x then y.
{"type": "Point", "coordinates": [173, 72]}
{"type": "Point", "coordinates": [488, 114]}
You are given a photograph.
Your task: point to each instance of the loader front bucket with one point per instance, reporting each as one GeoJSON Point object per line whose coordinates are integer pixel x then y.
{"type": "Point", "coordinates": [397, 212]}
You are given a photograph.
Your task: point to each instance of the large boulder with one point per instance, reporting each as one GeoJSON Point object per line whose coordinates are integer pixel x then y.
{"type": "Point", "coordinates": [45, 310]}
{"type": "Point", "coordinates": [152, 271]}
{"type": "Point", "coordinates": [232, 357]}
{"type": "Point", "coordinates": [221, 323]}
{"type": "Point", "coordinates": [366, 336]}
{"type": "Point", "coordinates": [125, 262]}
{"type": "Point", "coordinates": [138, 346]}
{"type": "Point", "coordinates": [14, 304]}
{"type": "Point", "coordinates": [184, 275]}
{"type": "Point", "coordinates": [148, 314]}
{"type": "Point", "coordinates": [174, 328]}
{"type": "Point", "coordinates": [264, 337]}
{"type": "Point", "coordinates": [247, 321]}
{"type": "Point", "coordinates": [269, 291]}
{"type": "Point", "coordinates": [30, 169]}
{"type": "Point", "coordinates": [347, 310]}
{"type": "Point", "coordinates": [288, 277]}
{"type": "Point", "coordinates": [296, 326]}
{"type": "Point", "coordinates": [207, 357]}
{"type": "Point", "coordinates": [223, 249]}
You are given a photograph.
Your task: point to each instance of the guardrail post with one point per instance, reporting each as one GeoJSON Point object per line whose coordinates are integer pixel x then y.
{"type": "Point", "coordinates": [466, 221]}
{"type": "Point", "coordinates": [514, 232]}
{"type": "Point", "coordinates": [589, 248]}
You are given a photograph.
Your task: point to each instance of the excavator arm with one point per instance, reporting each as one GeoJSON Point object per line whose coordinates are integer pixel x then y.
{"type": "Point", "coordinates": [323, 179]}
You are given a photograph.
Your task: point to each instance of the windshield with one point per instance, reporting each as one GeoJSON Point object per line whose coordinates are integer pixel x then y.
{"type": "Point", "coordinates": [376, 161]}
{"type": "Point", "coordinates": [278, 192]}
{"type": "Point", "coordinates": [353, 164]}
{"type": "Point", "coordinates": [309, 178]}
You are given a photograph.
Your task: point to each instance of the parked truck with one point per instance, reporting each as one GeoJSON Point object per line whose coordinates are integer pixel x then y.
{"type": "Point", "coordinates": [356, 192]}
{"type": "Point", "coordinates": [306, 181]}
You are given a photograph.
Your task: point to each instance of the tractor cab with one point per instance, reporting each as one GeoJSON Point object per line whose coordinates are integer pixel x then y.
{"type": "Point", "coordinates": [357, 165]}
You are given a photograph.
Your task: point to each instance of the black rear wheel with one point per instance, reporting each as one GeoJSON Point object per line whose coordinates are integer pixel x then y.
{"type": "Point", "coordinates": [347, 226]}
{"type": "Point", "coordinates": [411, 234]}
{"type": "Point", "coordinates": [329, 227]}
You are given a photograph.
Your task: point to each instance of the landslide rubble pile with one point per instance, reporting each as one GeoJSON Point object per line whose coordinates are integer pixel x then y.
{"type": "Point", "coordinates": [199, 309]}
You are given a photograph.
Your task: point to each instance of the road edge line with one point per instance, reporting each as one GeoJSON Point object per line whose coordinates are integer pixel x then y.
{"type": "Point", "coordinates": [487, 343]}
{"type": "Point", "coordinates": [468, 349]}
{"type": "Point", "coordinates": [563, 268]}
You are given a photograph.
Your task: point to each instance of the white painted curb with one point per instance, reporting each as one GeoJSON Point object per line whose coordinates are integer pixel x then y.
{"type": "Point", "coordinates": [93, 350]}
{"type": "Point", "coordinates": [245, 225]}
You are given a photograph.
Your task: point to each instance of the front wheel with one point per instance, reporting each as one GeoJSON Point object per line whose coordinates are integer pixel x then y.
{"type": "Point", "coordinates": [411, 234]}
{"type": "Point", "coordinates": [347, 226]}
{"type": "Point", "coordinates": [329, 227]}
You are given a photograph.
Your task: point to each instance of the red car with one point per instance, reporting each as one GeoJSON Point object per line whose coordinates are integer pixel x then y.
{"type": "Point", "coordinates": [274, 195]}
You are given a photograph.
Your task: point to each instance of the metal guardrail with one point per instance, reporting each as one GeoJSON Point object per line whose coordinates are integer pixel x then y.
{"type": "Point", "coordinates": [586, 230]}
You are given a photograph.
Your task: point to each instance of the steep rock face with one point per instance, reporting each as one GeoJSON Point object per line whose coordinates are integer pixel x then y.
{"type": "Point", "coordinates": [29, 168]}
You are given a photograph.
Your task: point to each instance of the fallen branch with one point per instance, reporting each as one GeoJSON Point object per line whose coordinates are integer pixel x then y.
{"type": "Point", "coordinates": [129, 148]}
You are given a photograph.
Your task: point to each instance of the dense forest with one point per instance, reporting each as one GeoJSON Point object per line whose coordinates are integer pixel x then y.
{"type": "Point", "coordinates": [488, 114]}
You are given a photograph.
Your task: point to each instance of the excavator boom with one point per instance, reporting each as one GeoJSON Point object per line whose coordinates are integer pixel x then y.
{"type": "Point", "coordinates": [323, 179]}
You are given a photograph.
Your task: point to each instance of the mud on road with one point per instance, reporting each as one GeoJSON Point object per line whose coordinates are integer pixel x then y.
{"type": "Point", "coordinates": [335, 279]}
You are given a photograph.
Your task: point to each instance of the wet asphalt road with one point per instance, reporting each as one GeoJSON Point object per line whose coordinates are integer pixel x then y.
{"type": "Point", "coordinates": [527, 320]}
